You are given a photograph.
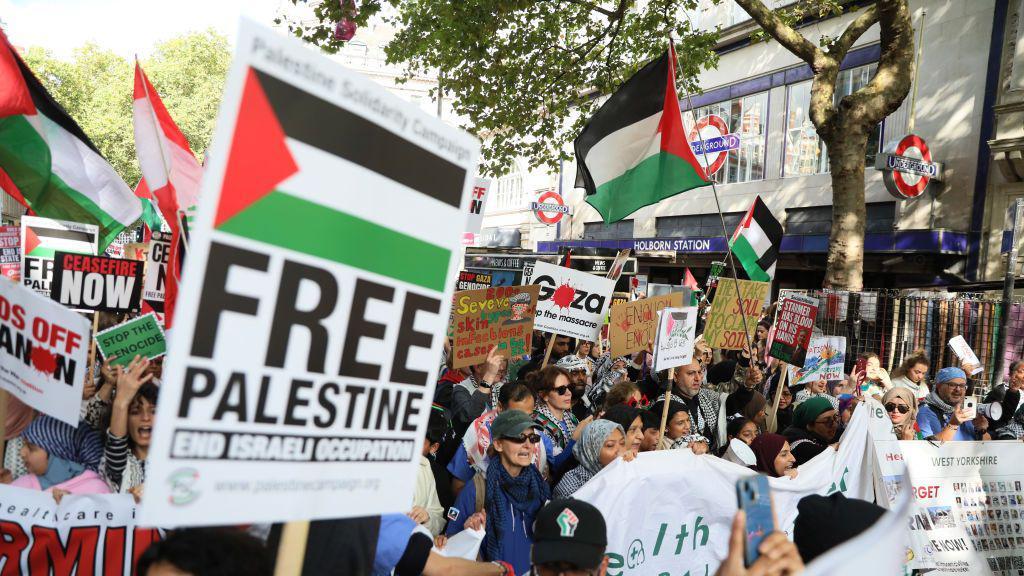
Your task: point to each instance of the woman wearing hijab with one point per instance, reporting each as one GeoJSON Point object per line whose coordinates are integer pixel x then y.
{"type": "Point", "coordinates": [19, 416]}
{"type": "Point", "coordinates": [61, 459]}
{"type": "Point", "coordinates": [629, 418]}
{"type": "Point", "coordinates": [814, 427]}
{"type": "Point", "coordinates": [901, 405]}
{"type": "Point", "coordinates": [602, 442]}
{"type": "Point", "coordinates": [749, 404]}
{"type": "Point", "coordinates": [774, 457]}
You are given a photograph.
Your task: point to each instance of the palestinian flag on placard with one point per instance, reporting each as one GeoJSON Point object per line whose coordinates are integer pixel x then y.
{"type": "Point", "coordinates": [42, 242]}
{"type": "Point", "coordinates": [634, 151]}
{"type": "Point", "coordinates": [48, 164]}
{"type": "Point", "coordinates": [278, 189]}
{"type": "Point", "coordinates": [756, 242]}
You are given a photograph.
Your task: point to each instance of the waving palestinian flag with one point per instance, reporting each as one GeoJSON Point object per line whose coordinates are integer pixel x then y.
{"type": "Point", "coordinates": [633, 152]}
{"type": "Point", "coordinates": [756, 243]}
{"type": "Point", "coordinates": [48, 164]}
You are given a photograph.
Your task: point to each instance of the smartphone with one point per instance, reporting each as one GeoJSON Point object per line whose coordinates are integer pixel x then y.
{"type": "Point", "coordinates": [862, 374]}
{"type": "Point", "coordinates": [970, 407]}
{"type": "Point", "coordinates": [755, 498]}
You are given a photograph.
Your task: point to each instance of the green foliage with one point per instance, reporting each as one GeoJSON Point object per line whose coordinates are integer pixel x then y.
{"type": "Point", "coordinates": [526, 74]}
{"type": "Point", "coordinates": [799, 12]}
{"type": "Point", "coordinates": [95, 88]}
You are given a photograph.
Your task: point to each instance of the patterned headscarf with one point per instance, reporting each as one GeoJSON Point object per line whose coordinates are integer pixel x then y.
{"type": "Point", "coordinates": [80, 445]}
{"type": "Point", "coordinates": [588, 449]}
{"type": "Point", "coordinates": [907, 396]}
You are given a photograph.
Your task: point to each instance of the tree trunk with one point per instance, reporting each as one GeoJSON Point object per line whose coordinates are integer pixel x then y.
{"type": "Point", "coordinates": [846, 242]}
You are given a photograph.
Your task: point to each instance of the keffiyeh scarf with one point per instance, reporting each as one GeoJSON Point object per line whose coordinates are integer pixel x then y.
{"type": "Point", "coordinates": [511, 500]}
{"type": "Point", "coordinates": [552, 426]}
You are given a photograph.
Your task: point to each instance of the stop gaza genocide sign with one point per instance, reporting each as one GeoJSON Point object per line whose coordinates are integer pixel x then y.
{"type": "Point", "coordinates": [87, 282]}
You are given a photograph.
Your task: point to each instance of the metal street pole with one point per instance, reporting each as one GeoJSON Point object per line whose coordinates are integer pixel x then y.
{"type": "Point", "coordinates": [1017, 209]}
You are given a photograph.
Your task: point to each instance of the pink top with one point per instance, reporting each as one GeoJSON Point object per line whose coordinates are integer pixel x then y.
{"type": "Point", "coordinates": [87, 482]}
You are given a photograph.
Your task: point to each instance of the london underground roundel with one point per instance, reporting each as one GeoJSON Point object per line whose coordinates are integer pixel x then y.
{"type": "Point", "coordinates": [711, 142]}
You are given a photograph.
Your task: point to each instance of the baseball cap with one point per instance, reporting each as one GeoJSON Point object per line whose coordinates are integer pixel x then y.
{"type": "Point", "coordinates": [510, 424]}
{"type": "Point", "coordinates": [571, 531]}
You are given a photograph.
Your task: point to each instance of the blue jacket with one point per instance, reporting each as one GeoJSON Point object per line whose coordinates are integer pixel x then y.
{"type": "Point", "coordinates": [518, 536]}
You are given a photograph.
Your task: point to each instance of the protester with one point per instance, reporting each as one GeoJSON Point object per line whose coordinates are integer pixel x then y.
{"type": "Point", "coordinates": [912, 374]}
{"type": "Point", "coordinates": [749, 404]}
{"type": "Point", "coordinates": [601, 442]}
{"type": "Point", "coordinates": [472, 396]}
{"type": "Point", "coordinates": [405, 549]}
{"type": "Point", "coordinates": [741, 428]}
{"type": "Point", "coordinates": [701, 404]}
{"type": "Point", "coordinates": [814, 427]}
{"type": "Point", "coordinates": [815, 389]}
{"type": "Point", "coordinates": [876, 379]}
{"type": "Point", "coordinates": [578, 549]}
{"type": "Point", "coordinates": [784, 415]}
{"type": "Point", "coordinates": [941, 416]}
{"type": "Point", "coordinates": [426, 506]}
{"type": "Point", "coordinates": [96, 409]}
{"type": "Point", "coordinates": [629, 418]}
{"type": "Point", "coordinates": [131, 425]}
{"type": "Point", "coordinates": [19, 416]}
{"type": "Point", "coordinates": [777, 556]}
{"type": "Point", "coordinates": [774, 457]}
{"type": "Point", "coordinates": [515, 491]}
{"type": "Point", "coordinates": [824, 522]}
{"type": "Point", "coordinates": [1016, 382]}
{"type": "Point", "coordinates": [439, 434]}
{"type": "Point", "coordinates": [847, 404]}
{"type": "Point", "coordinates": [623, 393]}
{"type": "Point", "coordinates": [60, 459]}
{"type": "Point", "coordinates": [900, 404]}
{"type": "Point", "coordinates": [552, 413]}
{"type": "Point", "coordinates": [206, 552]}
{"type": "Point", "coordinates": [651, 431]}
{"type": "Point", "coordinates": [679, 429]}
{"type": "Point", "coordinates": [579, 377]}
{"type": "Point", "coordinates": [1013, 429]}
{"type": "Point", "coordinates": [609, 373]}
{"type": "Point", "coordinates": [586, 350]}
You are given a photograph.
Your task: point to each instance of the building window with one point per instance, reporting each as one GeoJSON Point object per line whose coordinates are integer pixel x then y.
{"type": "Point", "coordinates": [746, 117]}
{"type": "Point", "coordinates": [696, 225]}
{"type": "Point", "coordinates": [818, 219]}
{"type": "Point", "coordinates": [805, 152]}
{"type": "Point", "coordinates": [509, 193]}
{"type": "Point", "coordinates": [602, 231]}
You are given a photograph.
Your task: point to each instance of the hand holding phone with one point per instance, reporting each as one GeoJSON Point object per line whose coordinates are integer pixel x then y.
{"type": "Point", "coordinates": [753, 496]}
{"type": "Point", "coordinates": [861, 369]}
{"type": "Point", "coordinates": [970, 408]}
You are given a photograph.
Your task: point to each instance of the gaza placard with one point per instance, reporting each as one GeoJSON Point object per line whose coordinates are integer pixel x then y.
{"type": "Point", "coordinates": [571, 302]}
{"type": "Point", "coordinates": [301, 375]}
{"type": "Point", "coordinates": [482, 319]}
{"type": "Point", "coordinates": [729, 315]}
{"type": "Point", "coordinates": [43, 349]}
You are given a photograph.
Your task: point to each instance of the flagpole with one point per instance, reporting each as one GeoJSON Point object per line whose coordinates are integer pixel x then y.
{"type": "Point", "coordinates": [718, 205]}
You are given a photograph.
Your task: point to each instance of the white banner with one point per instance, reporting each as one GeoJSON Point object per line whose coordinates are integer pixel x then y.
{"type": "Point", "coordinates": [318, 283]}
{"type": "Point", "coordinates": [572, 302]}
{"type": "Point", "coordinates": [43, 352]}
{"type": "Point", "coordinates": [671, 511]}
{"type": "Point", "coordinates": [84, 535]}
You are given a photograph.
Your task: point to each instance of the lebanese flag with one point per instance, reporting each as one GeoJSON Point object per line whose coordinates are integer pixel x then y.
{"type": "Point", "coordinates": [170, 171]}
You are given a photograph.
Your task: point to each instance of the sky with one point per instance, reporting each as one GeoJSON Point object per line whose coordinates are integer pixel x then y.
{"type": "Point", "coordinates": [127, 27]}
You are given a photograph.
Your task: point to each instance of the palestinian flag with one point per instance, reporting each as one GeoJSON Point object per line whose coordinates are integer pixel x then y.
{"type": "Point", "coordinates": [49, 164]}
{"type": "Point", "coordinates": [756, 242]}
{"type": "Point", "coordinates": [633, 152]}
{"type": "Point", "coordinates": [274, 189]}
{"type": "Point", "coordinates": [42, 241]}
{"type": "Point", "coordinates": [689, 281]}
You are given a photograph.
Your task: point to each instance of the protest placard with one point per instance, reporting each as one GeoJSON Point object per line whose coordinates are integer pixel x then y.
{"type": "Point", "coordinates": [10, 252]}
{"type": "Point", "coordinates": [84, 534]}
{"type": "Point", "coordinates": [325, 311]}
{"type": "Point", "coordinates": [686, 528]}
{"type": "Point", "coordinates": [156, 267]}
{"type": "Point", "coordinates": [571, 302]}
{"type": "Point", "coordinates": [473, 281]}
{"type": "Point", "coordinates": [477, 202]}
{"type": "Point", "coordinates": [964, 352]}
{"type": "Point", "coordinates": [142, 336]}
{"type": "Point", "coordinates": [41, 238]}
{"type": "Point", "coordinates": [794, 323]}
{"type": "Point", "coordinates": [725, 322]}
{"type": "Point", "coordinates": [501, 316]}
{"type": "Point", "coordinates": [676, 335]}
{"type": "Point", "coordinates": [43, 348]}
{"type": "Point", "coordinates": [86, 282]}
{"type": "Point", "coordinates": [826, 356]}
{"type": "Point", "coordinates": [632, 325]}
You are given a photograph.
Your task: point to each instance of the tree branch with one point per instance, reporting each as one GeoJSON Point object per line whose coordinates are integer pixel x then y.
{"type": "Point", "coordinates": [783, 33]}
{"type": "Point", "coordinates": [595, 8]}
{"type": "Point", "coordinates": [855, 30]}
{"type": "Point", "coordinates": [891, 82]}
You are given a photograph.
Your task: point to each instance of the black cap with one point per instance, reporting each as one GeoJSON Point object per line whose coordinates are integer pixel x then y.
{"type": "Point", "coordinates": [571, 531]}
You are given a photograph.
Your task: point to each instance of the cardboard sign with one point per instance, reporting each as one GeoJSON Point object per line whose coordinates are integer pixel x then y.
{"type": "Point", "coordinates": [87, 534]}
{"type": "Point", "coordinates": [10, 252]}
{"type": "Point", "coordinates": [964, 352]}
{"type": "Point", "coordinates": [473, 281]}
{"type": "Point", "coordinates": [632, 325]}
{"type": "Point", "coordinates": [302, 372]}
{"type": "Point", "coordinates": [86, 282]}
{"type": "Point", "coordinates": [571, 302]}
{"type": "Point", "coordinates": [677, 329]}
{"type": "Point", "coordinates": [501, 317]}
{"type": "Point", "coordinates": [826, 356]}
{"type": "Point", "coordinates": [43, 349]}
{"type": "Point", "coordinates": [794, 323]}
{"type": "Point", "coordinates": [156, 267]}
{"type": "Point", "coordinates": [142, 336]}
{"type": "Point", "coordinates": [724, 326]}
{"type": "Point", "coordinates": [41, 238]}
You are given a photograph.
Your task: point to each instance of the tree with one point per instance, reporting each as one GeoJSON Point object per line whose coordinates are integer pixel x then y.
{"type": "Point", "coordinates": [525, 74]}
{"type": "Point", "coordinates": [95, 88]}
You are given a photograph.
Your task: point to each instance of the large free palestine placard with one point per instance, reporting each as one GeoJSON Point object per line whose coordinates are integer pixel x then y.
{"type": "Point", "coordinates": [725, 323]}
{"type": "Point", "coordinates": [318, 285]}
{"type": "Point", "coordinates": [42, 352]}
{"type": "Point", "coordinates": [501, 316]}
{"type": "Point", "coordinates": [41, 238]}
{"type": "Point", "coordinates": [633, 325]}
{"type": "Point", "coordinates": [572, 302]}
{"type": "Point", "coordinates": [86, 282]}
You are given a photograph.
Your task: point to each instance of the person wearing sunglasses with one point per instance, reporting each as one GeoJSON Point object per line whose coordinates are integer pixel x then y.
{"type": "Point", "coordinates": [814, 427]}
{"type": "Point", "coordinates": [901, 405]}
{"type": "Point", "coordinates": [514, 492]}
{"type": "Point", "coordinates": [553, 413]}
{"type": "Point", "coordinates": [602, 442]}
{"type": "Point", "coordinates": [942, 416]}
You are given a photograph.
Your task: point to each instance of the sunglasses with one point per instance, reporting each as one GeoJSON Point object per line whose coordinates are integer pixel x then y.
{"type": "Point", "coordinates": [901, 408]}
{"type": "Point", "coordinates": [560, 390]}
{"type": "Point", "coordinates": [533, 438]}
